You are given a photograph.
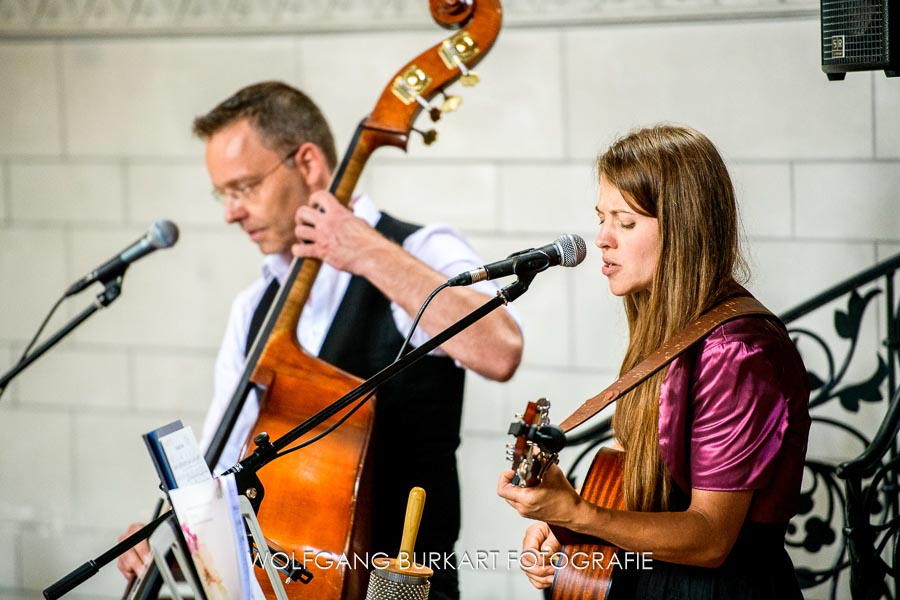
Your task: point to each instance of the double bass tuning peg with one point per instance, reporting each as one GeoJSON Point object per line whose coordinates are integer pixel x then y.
{"type": "Point", "coordinates": [450, 104]}
{"type": "Point", "coordinates": [456, 51]}
{"type": "Point", "coordinates": [429, 137]}
{"type": "Point", "coordinates": [470, 79]}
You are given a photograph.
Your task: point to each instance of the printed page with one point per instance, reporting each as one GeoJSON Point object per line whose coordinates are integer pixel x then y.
{"type": "Point", "coordinates": [205, 514]}
{"type": "Point", "coordinates": [184, 457]}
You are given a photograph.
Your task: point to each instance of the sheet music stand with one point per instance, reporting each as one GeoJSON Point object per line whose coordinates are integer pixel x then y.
{"type": "Point", "coordinates": [166, 539]}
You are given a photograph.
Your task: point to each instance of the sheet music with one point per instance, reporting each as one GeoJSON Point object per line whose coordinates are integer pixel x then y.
{"type": "Point", "coordinates": [184, 457]}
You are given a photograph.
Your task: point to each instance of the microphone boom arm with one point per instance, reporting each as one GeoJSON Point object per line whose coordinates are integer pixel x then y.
{"type": "Point", "coordinates": [245, 471]}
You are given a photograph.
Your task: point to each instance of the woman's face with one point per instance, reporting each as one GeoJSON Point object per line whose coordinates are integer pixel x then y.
{"type": "Point", "coordinates": [629, 242]}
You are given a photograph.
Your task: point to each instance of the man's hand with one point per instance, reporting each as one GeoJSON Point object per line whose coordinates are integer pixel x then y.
{"type": "Point", "coordinates": [327, 230]}
{"type": "Point", "coordinates": [131, 562]}
{"type": "Point", "coordinates": [330, 232]}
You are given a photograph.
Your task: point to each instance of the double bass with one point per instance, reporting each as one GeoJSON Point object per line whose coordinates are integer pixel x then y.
{"type": "Point", "coordinates": [299, 516]}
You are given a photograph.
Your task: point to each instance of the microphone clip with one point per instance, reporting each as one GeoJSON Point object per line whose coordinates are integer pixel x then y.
{"type": "Point", "coordinates": [111, 290]}
{"type": "Point", "coordinates": [517, 287]}
{"type": "Point", "coordinates": [245, 472]}
{"type": "Point", "coordinates": [531, 265]}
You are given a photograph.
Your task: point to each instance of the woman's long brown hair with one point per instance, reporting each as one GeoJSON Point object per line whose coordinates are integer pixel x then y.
{"type": "Point", "coordinates": [676, 175]}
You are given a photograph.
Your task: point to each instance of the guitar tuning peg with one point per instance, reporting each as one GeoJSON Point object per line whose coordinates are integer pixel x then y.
{"type": "Point", "coordinates": [429, 137]}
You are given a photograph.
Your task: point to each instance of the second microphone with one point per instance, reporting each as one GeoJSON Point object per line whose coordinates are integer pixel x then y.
{"type": "Point", "coordinates": [568, 250]}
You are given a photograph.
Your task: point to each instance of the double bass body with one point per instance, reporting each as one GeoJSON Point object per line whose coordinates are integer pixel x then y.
{"type": "Point", "coordinates": [315, 499]}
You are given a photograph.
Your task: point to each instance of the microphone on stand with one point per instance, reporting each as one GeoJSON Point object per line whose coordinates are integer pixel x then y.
{"type": "Point", "coordinates": [401, 577]}
{"type": "Point", "coordinates": [568, 250]}
{"type": "Point", "coordinates": [162, 234]}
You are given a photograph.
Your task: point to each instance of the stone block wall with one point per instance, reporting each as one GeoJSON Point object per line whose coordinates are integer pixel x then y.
{"type": "Point", "coordinates": [95, 144]}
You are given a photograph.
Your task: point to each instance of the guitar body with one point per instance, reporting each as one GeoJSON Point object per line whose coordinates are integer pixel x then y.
{"type": "Point", "coordinates": [585, 575]}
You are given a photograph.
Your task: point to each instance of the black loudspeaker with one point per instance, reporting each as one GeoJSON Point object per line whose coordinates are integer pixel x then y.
{"type": "Point", "coordinates": [860, 35]}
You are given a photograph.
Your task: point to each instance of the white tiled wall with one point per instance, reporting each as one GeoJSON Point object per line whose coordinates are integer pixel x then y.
{"type": "Point", "coordinates": [847, 200]}
{"type": "Point", "coordinates": [67, 192]}
{"type": "Point", "coordinates": [764, 198]}
{"type": "Point", "coordinates": [3, 209]}
{"type": "Point", "coordinates": [32, 272]}
{"type": "Point", "coordinates": [137, 98]}
{"type": "Point", "coordinates": [462, 193]}
{"type": "Point", "coordinates": [887, 129]}
{"type": "Point", "coordinates": [30, 111]}
{"type": "Point", "coordinates": [754, 87]}
{"type": "Point", "coordinates": [95, 145]}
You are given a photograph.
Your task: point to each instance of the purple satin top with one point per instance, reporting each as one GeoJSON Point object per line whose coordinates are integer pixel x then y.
{"type": "Point", "coordinates": [734, 415]}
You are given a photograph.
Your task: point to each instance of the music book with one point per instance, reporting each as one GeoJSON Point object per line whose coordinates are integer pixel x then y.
{"type": "Point", "coordinates": [213, 528]}
{"type": "Point", "coordinates": [158, 456]}
{"type": "Point", "coordinates": [208, 514]}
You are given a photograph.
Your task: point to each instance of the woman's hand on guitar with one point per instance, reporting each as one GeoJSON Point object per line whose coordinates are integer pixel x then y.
{"type": "Point", "coordinates": [538, 547]}
{"type": "Point", "coordinates": [553, 501]}
{"type": "Point", "coordinates": [131, 562]}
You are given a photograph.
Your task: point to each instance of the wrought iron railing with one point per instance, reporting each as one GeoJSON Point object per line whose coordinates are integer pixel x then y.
{"type": "Point", "coordinates": [859, 521]}
{"type": "Point", "coordinates": [849, 516]}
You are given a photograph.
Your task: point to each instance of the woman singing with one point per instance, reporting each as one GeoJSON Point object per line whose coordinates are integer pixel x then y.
{"type": "Point", "coordinates": [714, 444]}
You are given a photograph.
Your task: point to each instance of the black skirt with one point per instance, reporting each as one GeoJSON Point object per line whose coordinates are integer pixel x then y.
{"type": "Point", "coordinates": [758, 568]}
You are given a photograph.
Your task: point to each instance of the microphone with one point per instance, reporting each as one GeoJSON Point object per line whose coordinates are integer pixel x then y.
{"type": "Point", "coordinates": [568, 250]}
{"type": "Point", "coordinates": [162, 234]}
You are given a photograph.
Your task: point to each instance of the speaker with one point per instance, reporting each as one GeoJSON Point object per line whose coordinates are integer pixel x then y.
{"type": "Point", "coordinates": [856, 36]}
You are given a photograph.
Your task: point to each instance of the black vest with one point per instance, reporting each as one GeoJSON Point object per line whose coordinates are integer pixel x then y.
{"type": "Point", "coordinates": [417, 416]}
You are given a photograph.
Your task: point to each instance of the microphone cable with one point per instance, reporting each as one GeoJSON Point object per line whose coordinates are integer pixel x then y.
{"type": "Point", "coordinates": [366, 398]}
{"type": "Point", "coordinates": [415, 322]}
{"type": "Point", "coordinates": [35, 339]}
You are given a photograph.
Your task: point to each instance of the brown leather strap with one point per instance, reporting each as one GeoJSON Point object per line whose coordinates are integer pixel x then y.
{"type": "Point", "coordinates": [726, 311]}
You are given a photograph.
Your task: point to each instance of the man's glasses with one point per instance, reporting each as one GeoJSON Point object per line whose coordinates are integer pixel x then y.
{"type": "Point", "coordinates": [245, 192]}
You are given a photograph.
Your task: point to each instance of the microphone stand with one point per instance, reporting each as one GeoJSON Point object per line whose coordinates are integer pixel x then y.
{"type": "Point", "coordinates": [105, 298]}
{"type": "Point", "coordinates": [248, 482]}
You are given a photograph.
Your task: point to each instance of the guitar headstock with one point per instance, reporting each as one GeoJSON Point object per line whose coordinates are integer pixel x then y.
{"type": "Point", "coordinates": [476, 24]}
{"type": "Point", "coordinates": [537, 444]}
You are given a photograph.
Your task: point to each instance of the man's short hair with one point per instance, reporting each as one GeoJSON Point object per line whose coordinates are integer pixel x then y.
{"type": "Point", "coordinates": [284, 117]}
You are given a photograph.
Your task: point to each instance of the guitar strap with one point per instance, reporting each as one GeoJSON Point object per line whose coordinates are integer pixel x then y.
{"type": "Point", "coordinates": [723, 312]}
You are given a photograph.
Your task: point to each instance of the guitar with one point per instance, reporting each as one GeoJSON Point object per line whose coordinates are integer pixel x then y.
{"type": "Point", "coordinates": [587, 567]}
